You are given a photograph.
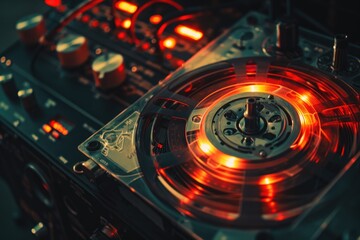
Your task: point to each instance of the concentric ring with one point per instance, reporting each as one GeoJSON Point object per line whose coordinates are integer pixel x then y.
{"type": "Point", "coordinates": [191, 162]}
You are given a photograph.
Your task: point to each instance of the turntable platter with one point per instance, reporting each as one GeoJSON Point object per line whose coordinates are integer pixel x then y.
{"type": "Point", "coordinates": [248, 143]}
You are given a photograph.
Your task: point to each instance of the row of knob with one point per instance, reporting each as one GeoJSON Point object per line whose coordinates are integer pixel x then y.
{"type": "Point", "coordinates": [26, 95]}
{"type": "Point", "coordinates": [73, 52]}
{"type": "Point", "coordinates": [287, 42]}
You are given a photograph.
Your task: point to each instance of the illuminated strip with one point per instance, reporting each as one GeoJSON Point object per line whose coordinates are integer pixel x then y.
{"type": "Point", "coordinates": [189, 32]}
{"type": "Point", "coordinates": [126, 7]}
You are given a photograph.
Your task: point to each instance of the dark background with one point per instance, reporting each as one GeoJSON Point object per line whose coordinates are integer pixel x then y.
{"type": "Point", "coordinates": [336, 16]}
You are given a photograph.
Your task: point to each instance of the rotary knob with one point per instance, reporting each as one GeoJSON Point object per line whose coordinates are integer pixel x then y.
{"type": "Point", "coordinates": [72, 51]}
{"type": "Point", "coordinates": [340, 53]}
{"type": "Point", "coordinates": [109, 70]}
{"type": "Point", "coordinates": [31, 28]}
{"type": "Point", "coordinates": [28, 100]}
{"type": "Point", "coordinates": [8, 84]}
{"type": "Point", "coordinates": [287, 36]}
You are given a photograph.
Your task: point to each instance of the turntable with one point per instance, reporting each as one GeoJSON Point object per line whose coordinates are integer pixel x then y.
{"type": "Point", "coordinates": [241, 142]}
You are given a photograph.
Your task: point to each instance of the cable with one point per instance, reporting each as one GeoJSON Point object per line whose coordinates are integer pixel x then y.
{"type": "Point", "coordinates": [189, 14]}
{"type": "Point", "coordinates": [82, 7]}
{"type": "Point", "coordinates": [142, 8]}
{"type": "Point", "coordinates": [163, 26]}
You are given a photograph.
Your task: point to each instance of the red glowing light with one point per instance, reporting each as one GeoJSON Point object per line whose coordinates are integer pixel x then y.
{"type": "Point", "coordinates": [189, 32]}
{"type": "Point", "coordinates": [94, 23]}
{"type": "Point", "coordinates": [126, 23]}
{"type": "Point", "coordinates": [53, 3]}
{"type": "Point", "coordinates": [126, 7]}
{"type": "Point", "coordinates": [179, 62]}
{"type": "Point", "coordinates": [168, 56]}
{"type": "Point", "coordinates": [169, 42]}
{"type": "Point", "coordinates": [105, 27]}
{"type": "Point", "coordinates": [121, 35]}
{"type": "Point", "coordinates": [55, 134]}
{"type": "Point", "coordinates": [59, 127]}
{"type": "Point", "coordinates": [145, 46]}
{"type": "Point", "coordinates": [155, 19]}
{"type": "Point", "coordinates": [251, 69]}
{"type": "Point", "coordinates": [85, 18]}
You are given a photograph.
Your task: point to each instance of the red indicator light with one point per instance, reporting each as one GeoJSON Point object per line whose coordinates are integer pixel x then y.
{"type": "Point", "coordinates": [169, 42]}
{"type": "Point", "coordinates": [46, 128]}
{"type": "Point", "coordinates": [55, 134]}
{"type": "Point", "coordinates": [121, 35]}
{"type": "Point", "coordinates": [53, 3]}
{"type": "Point", "coordinates": [59, 127]}
{"type": "Point", "coordinates": [85, 18]}
{"type": "Point", "coordinates": [155, 19]}
{"type": "Point", "coordinates": [168, 56]}
{"type": "Point", "coordinates": [126, 7]}
{"type": "Point", "coordinates": [126, 23]}
{"type": "Point", "coordinates": [94, 23]}
{"type": "Point", "coordinates": [189, 32]}
{"type": "Point", "coordinates": [145, 46]}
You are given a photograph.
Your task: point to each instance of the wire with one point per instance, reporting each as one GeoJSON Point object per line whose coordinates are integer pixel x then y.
{"type": "Point", "coordinates": [163, 26]}
{"type": "Point", "coordinates": [82, 7]}
{"type": "Point", "coordinates": [142, 8]}
{"type": "Point", "coordinates": [189, 14]}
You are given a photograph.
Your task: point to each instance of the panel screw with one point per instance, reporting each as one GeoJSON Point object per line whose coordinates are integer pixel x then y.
{"type": "Point", "coordinates": [262, 153]}
{"type": "Point", "coordinates": [196, 118]}
{"type": "Point", "coordinates": [93, 146]}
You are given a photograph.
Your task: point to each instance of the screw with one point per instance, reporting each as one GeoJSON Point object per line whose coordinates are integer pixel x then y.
{"type": "Point", "coordinates": [247, 140]}
{"type": "Point", "coordinates": [262, 154]}
{"type": "Point", "coordinates": [230, 115]}
{"type": "Point", "coordinates": [196, 119]}
{"type": "Point", "coordinates": [93, 146]}
{"type": "Point", "coordinates": [229, 131]}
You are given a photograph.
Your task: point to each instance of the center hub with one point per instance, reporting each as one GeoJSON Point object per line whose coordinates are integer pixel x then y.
{"type": "Point", "coordinates": [251, 125]}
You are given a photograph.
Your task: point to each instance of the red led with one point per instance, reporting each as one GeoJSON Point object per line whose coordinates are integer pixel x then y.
{"type": "Point", "coordinates": [145, 46]}
{"type": "Point", "coordinates": [55, 134]}
{"type": "Point", "coordinates": [94, 23]}
{"type": "Point", "coordinates": [59, 127]}
{"type": "Point", "coordinates": [168, 56]}
{"type": "Point", "coordinates": [85, 18]}
{"type": "Point", "coordinates": [53, 3]}
{"type": "Point", "coordinates": [126, 6]}
{"type": "Point", "coordinates": [117, 22]}
{"type": "Point", "coordinates": [126, 23]}
{"type": "Point", "coordinates": [179, 62]}
{"type": "Point", "coordinates": [121, 35]}
{"type": "Point", "coordinates": [155, 19]}
{"type": "Point", "coordinates": [105, 27]}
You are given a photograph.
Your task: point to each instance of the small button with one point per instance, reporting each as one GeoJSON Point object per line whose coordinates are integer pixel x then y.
{"type": "Point", "coordinates": [46, 128]}
{"type": "Point", "coordinates": [55, 134]}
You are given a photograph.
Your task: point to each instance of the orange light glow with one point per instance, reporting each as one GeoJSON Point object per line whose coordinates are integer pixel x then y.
{"type": "Point", "coordinates": [189, 32]}
{"type": "Point", "coordinates": [126, 23]}
{"type": "Point", "coordinates": [126, 7]}
{"type": "Point", "coordinates": [46, 128]}
{"type": "Point", "coordinates": [270, 179]}
{"type": "Point", "coordinates": [55, 134]}
{"type": "Point", "coordinates": [121, 35]}
{"type": "Point", "coordinates": [206, 148]}
{"type": "Point", "coordinates": [59, 127]}
{"type": "Point", "coordinates": [169, 42]}
{"type": "Point", "coordinates": [155, 19]}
